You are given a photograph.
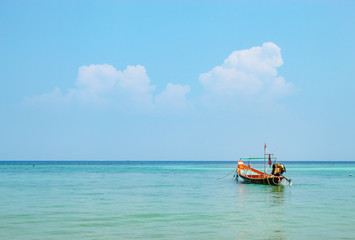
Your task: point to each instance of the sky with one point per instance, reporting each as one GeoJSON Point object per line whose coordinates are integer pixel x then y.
{"type": "Point", "coordinates": [177, 80]}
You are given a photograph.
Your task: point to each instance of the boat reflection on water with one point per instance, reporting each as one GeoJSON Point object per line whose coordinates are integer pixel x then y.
{"type": "Point", "coordinates": [272, 195]}
{"type": "Point", "coordinates": [277, 195]}
{"type": "Point", "coordinates": [262, 208]}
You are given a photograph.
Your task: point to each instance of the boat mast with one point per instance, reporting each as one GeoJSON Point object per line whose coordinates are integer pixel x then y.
{"type": "Point", "coordinates": [264, 157]}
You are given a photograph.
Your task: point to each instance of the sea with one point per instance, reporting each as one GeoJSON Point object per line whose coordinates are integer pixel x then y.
{"type": "Point", "coordinates": [173, 200]}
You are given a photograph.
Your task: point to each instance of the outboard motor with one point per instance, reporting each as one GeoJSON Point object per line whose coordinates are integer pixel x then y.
{"type": "Point", "coordinates": [278, 169]}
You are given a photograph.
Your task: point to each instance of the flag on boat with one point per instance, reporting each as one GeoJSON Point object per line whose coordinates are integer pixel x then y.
{"type": "Point", "coordinates": [269, 159]}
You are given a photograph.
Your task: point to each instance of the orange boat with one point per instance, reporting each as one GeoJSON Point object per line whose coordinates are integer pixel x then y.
{"type": "Point", "coordinates": [251, 175]}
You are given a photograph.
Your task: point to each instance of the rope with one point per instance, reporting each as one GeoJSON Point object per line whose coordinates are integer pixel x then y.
{"type": "Point", "coordinates": [225, 175]}
{"type": "Point", "coordinates": [285, 183]}
{"type": "Point", "coordinates": [289, 181]}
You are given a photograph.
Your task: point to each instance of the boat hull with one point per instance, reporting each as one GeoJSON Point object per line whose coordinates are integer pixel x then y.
{"type": "Point", "coordinates": [251, 175]}
{"type": "Point", "coordinates": [270, 180]}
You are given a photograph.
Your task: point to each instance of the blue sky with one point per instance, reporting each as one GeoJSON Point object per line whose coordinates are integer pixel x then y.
{"type": "Point", "coordinates": [176, 80]}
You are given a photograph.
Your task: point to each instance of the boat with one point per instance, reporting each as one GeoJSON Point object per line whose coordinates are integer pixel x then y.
{"type": "Point", "coordinates": [252, 175]}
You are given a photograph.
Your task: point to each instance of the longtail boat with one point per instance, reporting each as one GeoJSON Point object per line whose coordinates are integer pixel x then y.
{"type": "Point", "coordinates": [251, 175]}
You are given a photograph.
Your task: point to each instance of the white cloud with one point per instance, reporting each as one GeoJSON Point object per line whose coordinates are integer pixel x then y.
{"type": "Point", "coordinates": [251, 72]}
{"type": "Point", "coordinates": [97, 78]}
{"type": "Point", "coordinates": [135, 80]}
{"type": "Point", "coordinates": [55, 96]}
{"type": "Point", "coordinates": [174, 95]}
{"type": "Point", "coordinates": [105, 84]}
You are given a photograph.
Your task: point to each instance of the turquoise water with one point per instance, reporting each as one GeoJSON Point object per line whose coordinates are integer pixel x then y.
{"type": "Point", "coordinates": [173, 200]}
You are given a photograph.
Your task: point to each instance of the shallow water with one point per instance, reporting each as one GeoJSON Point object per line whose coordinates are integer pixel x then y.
{"type": "Point", "coordinates": [173, 200]}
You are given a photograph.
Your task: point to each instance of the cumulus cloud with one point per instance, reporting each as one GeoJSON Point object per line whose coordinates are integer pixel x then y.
{"type": "Point", "coordinates": [97, 78]}
{"type": "Point", "coordinates": [174, 95]}
{"type": "Point", "coordinates": [55, 96]}
{"type": "Point", "coordinates": [104, 83]}
{"type": "Point", "coordinates": [248, 72]}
